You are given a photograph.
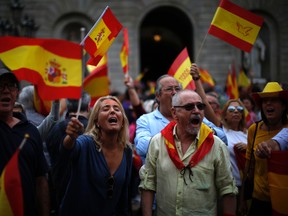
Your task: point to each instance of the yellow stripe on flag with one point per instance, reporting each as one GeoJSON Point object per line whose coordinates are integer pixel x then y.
{"type": "Point", "coordinates": [46, 60]}
{"type": "Point", "coordinates": [99, 89]}
{"type": "Point", "coordinates": [236, 25]}
{"type": "Point", "coordinates": [101, 31]}
{"type": "Point", "coordinates": [183, 73]}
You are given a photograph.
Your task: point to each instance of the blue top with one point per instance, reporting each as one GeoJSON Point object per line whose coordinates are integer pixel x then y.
{"type": "Point", "coordinates": [146, 127]}
{"type": "Point", "coordinates": [86, 193]}
{"type": "Point", "coordinates": [282, 139]}
{"type": "Point", "coordinates": [152, 123]}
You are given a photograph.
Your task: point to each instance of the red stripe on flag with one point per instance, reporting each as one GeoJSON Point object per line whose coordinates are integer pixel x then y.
{"type": "Point", "coordinates": [241, 12]}
{"type": "Point", "coordinates": [229, 38]}
{"type": "Point", "coordinates": [278, 162]}
{"type": "Point", "coordinates": [59, 47]}
{"type": "Point", "coordinates": [112, 23]}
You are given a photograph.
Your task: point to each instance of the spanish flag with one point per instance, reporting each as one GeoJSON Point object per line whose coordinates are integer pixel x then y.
{"type": "Point", "coordinates": [206, 78]}
{"type": "Point", "coordinates": [96, 84]}
{"type": "Point", "coordinates": [235, 25]}
{"type": "Point", "coordinates": [53, 65]}
{"type": "Point", "coordinates": [243, 79]}
{"type": "Point", "coordinates": [180, 70]}
{"type": "Point", "coordinates": [278, 181]}
{"type": "Point", "coordinates": [124, 52]}
{"type": "Point", "coordinates": [231, 85]}
{"type": "Point", "coordinates": [101, 36]}
{"type": "Point", "coordinates": [11, 194]}
{"type": "Point", "coordinates": [102, 62]}
{"type": "Point", "coordinates": [41, 106]}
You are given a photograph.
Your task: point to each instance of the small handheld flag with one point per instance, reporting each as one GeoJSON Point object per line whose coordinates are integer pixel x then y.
{"type": "Point", "coordinates": [180, 70]}
{"type": "Point", "coordinates": [11, 194]}
{"type": "Point", "coordinates": [101, 36]}
{"type": "Point", "coordinates": [235, 25]}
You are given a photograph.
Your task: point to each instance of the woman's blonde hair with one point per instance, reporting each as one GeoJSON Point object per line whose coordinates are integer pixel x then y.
{"type": "Point", "coordinates": [95, 132]}
{"type": "Point", "coordinates": [242, 123]}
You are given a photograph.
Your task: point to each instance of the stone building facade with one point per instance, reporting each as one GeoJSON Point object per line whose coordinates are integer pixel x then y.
{"type": "Point", "coordinates": [179, 24]}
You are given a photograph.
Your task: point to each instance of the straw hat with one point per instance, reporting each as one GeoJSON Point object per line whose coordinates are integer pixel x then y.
{"type": "Point", "coordinates": [272, 89]}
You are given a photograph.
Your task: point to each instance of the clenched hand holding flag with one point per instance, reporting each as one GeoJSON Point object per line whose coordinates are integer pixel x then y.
{"type": "Point", "coordinates": [101, 36]}
{"type": "Point", "coordinates": [235, 25]}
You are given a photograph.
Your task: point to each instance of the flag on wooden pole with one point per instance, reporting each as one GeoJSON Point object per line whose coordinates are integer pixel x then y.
{"type": "Point", "coordinates": [235, 25]}
{"type": "Point", "coordinates": [53, 65]}
{"type": "Point", "coordinates": [124, 54]}
{"type": "Point", "coordinates": [180, 70]}
{"type": "Point", "coordinates": [101, 36]}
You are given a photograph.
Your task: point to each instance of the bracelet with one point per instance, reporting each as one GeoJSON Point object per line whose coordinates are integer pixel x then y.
{"type": "Point", "coordinates": [196, 78]}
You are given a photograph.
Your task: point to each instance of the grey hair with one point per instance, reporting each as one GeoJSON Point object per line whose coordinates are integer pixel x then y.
{"type": "Point", "coordinates": [159, 84]}
{"type": "Point", "coordinates": [176, 99]}
{"type": "Point", "coordinates": [26, 97]}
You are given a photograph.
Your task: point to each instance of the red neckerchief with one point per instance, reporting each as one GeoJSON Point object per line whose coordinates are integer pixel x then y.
{"type": "Point", "coordinates": [206, 141]}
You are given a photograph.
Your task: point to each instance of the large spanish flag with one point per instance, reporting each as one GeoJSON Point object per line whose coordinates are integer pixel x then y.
{"type": "Point", "coordinates": [180, 70]}
{"type": "Point", "coordinates": [124, 52]}
{"type": "Point", "coordinates": [235, 25]}
{"type": "Point", "coordinates": [278, 181]}
{"type": "Point", "coordinates": [11, 196]}
{"type": "Point", "coordinates": [97, 83]}
{"type": "Point", "coordinates": [53, 65]}
{"type": "Point", "coordinates": [101, 36]}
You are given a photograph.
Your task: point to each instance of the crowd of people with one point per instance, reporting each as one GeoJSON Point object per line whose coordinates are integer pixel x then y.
{"type": "Point", "coordinates": [179, 156]}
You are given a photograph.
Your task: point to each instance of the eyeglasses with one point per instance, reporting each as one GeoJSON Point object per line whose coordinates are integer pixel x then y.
{"type": "Point", "coordinates": [110, 182]}
{"type": "Point", "coordinates": [233, 108]}
{"type": "Point", "coordinates": [191, 106]}
{"type": "Point", "coordinates": [171, 88]}
{"type": "Point", "coordinates": [10, 86]}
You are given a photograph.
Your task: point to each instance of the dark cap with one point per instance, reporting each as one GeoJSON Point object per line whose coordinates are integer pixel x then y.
{"type": "Point", "coordinates": [8, 73]}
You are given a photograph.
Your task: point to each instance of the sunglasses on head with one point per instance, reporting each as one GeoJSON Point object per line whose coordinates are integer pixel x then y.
{"type": "Point", "coordinates": [233, 108]}
{"type": "Point", "coordinates": [191, 106]}
{"type": "Point", "coordinates": [110, 182]}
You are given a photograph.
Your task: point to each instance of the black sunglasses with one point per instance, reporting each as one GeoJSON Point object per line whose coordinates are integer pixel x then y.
{"type": "Point", "coordinates": [110, 182]}
{"type": "Point", "coordinates": [191, 106]}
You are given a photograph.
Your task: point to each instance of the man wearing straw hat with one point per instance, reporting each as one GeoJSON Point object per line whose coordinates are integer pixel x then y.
{"type": "Point", "coordinates": [273, 102]}
{"type": "Point", "coordinates": [31, 161]}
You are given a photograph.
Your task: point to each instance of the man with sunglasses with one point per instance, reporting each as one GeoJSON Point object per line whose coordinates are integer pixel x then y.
{"type": "Point", "coordinates": [31, 161]}
{"type": "Point", "coordinates": [187, 167]}
{"type": "Point", "coordinates": [152, 123]}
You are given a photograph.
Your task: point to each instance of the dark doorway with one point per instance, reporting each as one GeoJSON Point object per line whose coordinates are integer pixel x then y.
{"type": "Point", "coordinates": [164, 33]}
